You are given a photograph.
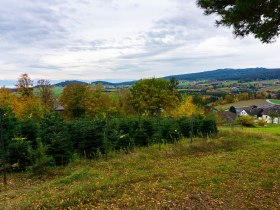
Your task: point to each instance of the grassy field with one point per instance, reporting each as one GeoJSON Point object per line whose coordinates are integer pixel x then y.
{"type": "Point", "coordinates": [243, 103]}
{"type": "Point", "coordinates": [233, 170]}
{"type": "Point", "coordinates": [275, 101]}
{"type": "Point", "coordinates": [57, 90]}
{"type": "Point", "coordinates": [272, 129]}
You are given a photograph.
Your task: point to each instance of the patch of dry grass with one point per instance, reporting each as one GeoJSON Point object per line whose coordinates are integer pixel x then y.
{"type": "Point", "coordinates": [233, 170]}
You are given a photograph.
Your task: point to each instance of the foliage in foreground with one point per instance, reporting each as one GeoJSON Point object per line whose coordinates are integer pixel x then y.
{"type": "Point", "coordinates": [234, 170]}
{"type": "Point", "coordinates": [88, 138]}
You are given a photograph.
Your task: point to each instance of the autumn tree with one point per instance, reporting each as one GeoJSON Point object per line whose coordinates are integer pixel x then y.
{"type": "Point", "coordinates": [72, 99]}
{"type": "Point", "coordinates": [97, 102]}
{"type": "Point", "coordinates": [46, 94]}
{"type": "Point", "coordinates": [186, 108]}
{"type": "Point", "coordinates": [260, 18]}
{"type": "Point", "coordinates": [124, 104]}
{"type": "Point", "coordinates": [6, 98]}
{"type": "Point", "coordinates": [150, 95]}
{"type": "Point", "coordinates": [24, 85]}
{"type": "Point", "coordinates": [27, 108]}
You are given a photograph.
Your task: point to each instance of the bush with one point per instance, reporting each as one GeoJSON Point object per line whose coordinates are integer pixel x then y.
{"type": "Point", "coordinates": [246, 121]}
{"type": "Point", "coordinates": [29, 130]}
{"type": "Point", "coordinates": [170, 130]}
{"type": "Point", "coordinates": [39, 158]}
{"type": "Point", "coordinates": [54, 135]}
{"type": "Point", "coordinates": [262, 122]}
{"type": "Point", "coordinates": [18, 153]}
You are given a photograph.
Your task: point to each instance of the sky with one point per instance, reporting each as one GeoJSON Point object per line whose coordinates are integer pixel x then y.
{"type": "Point", "coordinates": [119, 40]}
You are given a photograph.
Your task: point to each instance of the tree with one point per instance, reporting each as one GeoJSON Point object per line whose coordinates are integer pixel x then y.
{"type": "Point", "coordinates": [272, 116]}
{"type": "Point", "coordinates": [26, 108]}
{"type": "Point", "coordinates": [55, 136]}
{"type": "Point", "coordinates": [232, 109]}
{"type": "Point", "coordinates": [124, 105]}
{"type": "Point", "coordinates": [6, 98]}
{"type": "Point", "coordinates": [46, 94]}
{"type": "Point", "coordinates": [97, 102]}
{"type": "Point", "coordinates": [246, 121]}
{"type": "Point", "coordinates": [260, 17]}
{"type": "Point", "coordinates": [72, 99]}
{"type": "Point", "coordinates": [150, 95]}
{"type": "Point", "coordinates": [24, 85]}
{"type": "Point", "coordinates": [186, 108]}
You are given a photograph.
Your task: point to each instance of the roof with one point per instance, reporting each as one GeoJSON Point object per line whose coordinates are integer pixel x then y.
{"type": "Point", "coordinates": [59, 108]}
{"type": "Point", "coordinates": [264, 106]}
{"type": "Point", "coordinates": [227, 115]}
{"type": "Point", "coordinates": [275, 109]}
{"type": "Point", "coordinates": [253, 111]}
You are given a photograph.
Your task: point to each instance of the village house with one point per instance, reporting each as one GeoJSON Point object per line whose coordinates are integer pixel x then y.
{"type": "Point", "coordinates": [268, 112]}
{"type": "Point", "coordinates": [272, 115]}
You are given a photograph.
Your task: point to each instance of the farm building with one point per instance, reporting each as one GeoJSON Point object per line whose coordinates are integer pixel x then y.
{"type": "Point", "coordinates": [271, 113]}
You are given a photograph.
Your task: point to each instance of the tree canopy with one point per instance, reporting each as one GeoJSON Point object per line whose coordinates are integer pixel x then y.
{"type": "Point", "coordinates": [259, 17]}
{"type": "Point", "coordinates": [151, 95]}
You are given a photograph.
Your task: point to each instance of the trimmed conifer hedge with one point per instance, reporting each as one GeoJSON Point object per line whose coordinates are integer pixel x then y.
{"type": "Point", "coordinates": [86, 137]}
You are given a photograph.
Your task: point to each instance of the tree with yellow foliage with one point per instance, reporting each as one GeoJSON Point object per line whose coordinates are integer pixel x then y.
{"type": "Point", "coordinates": [97, 102]}
{"type": "Point", "coordinates": [6, 98]}
{"type": "Point", "coordinates": [72, 100]}
{"type": "Point", "coordinates": [26, 108]}
{"type": "Point", "coordinates": [186, 108]}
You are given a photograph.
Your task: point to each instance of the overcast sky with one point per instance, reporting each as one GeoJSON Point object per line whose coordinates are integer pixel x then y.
{"type": "Point", "coordinates": [117, 40]}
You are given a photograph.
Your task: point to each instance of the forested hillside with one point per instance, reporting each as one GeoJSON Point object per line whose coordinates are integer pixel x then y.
{"type": "Point", "coordinates": [232, 74]}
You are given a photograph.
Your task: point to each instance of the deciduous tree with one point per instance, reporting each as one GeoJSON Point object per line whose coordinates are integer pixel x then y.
{"type": "Point", "coordinates": [46, 94]}
{"type": "Point", "coordinates": [151, 95]}
{"type": "Point", "coordinates": [24, 85]}
{"type": "Point", "coordinates": [186, 108]}
{"type": "Point", "coordinates": [72, 99]}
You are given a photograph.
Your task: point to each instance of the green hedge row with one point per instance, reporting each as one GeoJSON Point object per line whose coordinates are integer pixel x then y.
{"type": "Point", "coordinates": [86, 137]}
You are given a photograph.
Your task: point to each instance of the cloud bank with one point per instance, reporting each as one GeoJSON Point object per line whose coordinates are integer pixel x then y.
{"type": "Point", "coordinates": [119, 40]}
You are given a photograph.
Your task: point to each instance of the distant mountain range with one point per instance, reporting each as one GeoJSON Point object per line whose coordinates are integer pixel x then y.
{"type": "Point", "coordinates": [231, 74]}
{"type": "Point", "coordinates": [248, 74]}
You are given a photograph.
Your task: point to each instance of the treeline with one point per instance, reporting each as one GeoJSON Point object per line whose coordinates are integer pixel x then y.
{"type": "Point", "coordinates": [249, 74]}
{"type": "Point", "coordinates": [54, 141]}
{"type": "Point", "coordinates": [41, 129]}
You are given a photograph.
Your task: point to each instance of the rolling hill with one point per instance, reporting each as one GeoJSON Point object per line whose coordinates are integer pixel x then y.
{"type": "Point", "coordinates": [248, 74]}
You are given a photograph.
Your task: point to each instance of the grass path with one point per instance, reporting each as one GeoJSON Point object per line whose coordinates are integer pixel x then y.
{"type": "Point", "coordinates": [234, 170]}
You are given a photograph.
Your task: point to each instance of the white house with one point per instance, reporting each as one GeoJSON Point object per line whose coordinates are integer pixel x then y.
{"type": "Point", "coordinates": [272, 115]}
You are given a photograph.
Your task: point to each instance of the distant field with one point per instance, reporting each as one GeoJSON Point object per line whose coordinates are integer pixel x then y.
{"type": "Point", "coordinates": [272, 129]}
{"type": "Point", "coordinates": [275, 101]}
{"type": "Point", "coordinates": [57, 90]}
{"type": "Point", "coordinates": [243, 103]}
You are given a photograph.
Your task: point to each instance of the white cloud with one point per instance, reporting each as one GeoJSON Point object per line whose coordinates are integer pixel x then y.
{"type": "Point", "coordinates": [119, 40]}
